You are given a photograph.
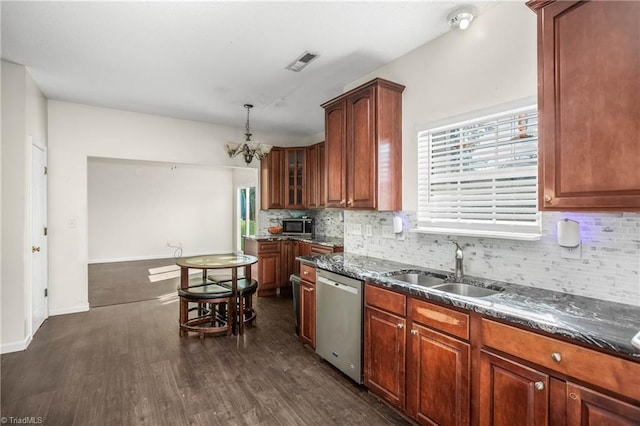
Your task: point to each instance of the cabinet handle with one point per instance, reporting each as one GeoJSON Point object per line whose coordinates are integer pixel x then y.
{"type": "Point", "coordinates": [305, 273]}
{"type": "Point", "coordinates": [342, 202]}
{"type": "Point", "coordinates": [539, 385]}
{"type": "Point", "coordinates": [349, 203]}
{"type": "Point", "coordinates": [414, 332]}
{"type": "Point", "coordinates": [556, 357]}
{"type": "Point", "coordinates": [548, 198]}
{"type": "Point", "coordinates": [400, 325]}
{"type": "Point", "coordinates": [573, 396]}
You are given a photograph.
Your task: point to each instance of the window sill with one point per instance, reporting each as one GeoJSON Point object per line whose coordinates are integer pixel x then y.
{"type": "Point", "coordinates": [502, 235]}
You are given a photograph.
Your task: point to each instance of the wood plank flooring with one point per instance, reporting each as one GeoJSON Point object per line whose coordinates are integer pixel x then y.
{"type": "Point", "coordinates": [126, 365]}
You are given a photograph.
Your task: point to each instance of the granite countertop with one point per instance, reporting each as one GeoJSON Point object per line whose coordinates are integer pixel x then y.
{"type": "Point", "coordinates": [597, 323]}
{"type": "Point", "coordinates": [316, 239]}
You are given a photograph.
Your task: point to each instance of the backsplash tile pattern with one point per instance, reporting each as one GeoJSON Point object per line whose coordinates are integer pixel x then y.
{"type": "Point", "coordinates": [327, 222]}
{"type": "Point", "coordinates": [609, 268]}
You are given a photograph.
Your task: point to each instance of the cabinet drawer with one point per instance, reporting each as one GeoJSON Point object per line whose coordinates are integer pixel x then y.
{"type": "Point", "coordinates": [268, 247]}
{"type": "Point", "coordinates": [308, 273]}
{"type": "Point", "coordinates": [438, 317]}
{"type": "Point", "coordinates": [607, 371]}
{"type": "Point", "coordinates": [385, 299]}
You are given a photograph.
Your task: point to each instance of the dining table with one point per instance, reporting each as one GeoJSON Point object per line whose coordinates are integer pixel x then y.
{"type": "Point", "coordinates": [232, 261]}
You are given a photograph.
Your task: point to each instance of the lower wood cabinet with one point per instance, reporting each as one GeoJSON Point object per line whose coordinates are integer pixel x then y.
{"type": "Point", "coordinates": [590, 408]}
{"type": "Point", "coordinates": [510, 391]}
{"type": "Point", "coordinates": [307, 312]}
{"type": "Point", "coordinates": [384, 355]}
{"type": "Point", "coordinates": [443, 366]}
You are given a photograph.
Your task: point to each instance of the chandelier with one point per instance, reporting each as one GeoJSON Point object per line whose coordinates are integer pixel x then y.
{"type": "Point", "coordinates": [249, 148]}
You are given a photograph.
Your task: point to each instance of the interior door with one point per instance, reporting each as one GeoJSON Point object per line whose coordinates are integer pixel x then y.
{"type": "Point", "coordinates": [39, 276]}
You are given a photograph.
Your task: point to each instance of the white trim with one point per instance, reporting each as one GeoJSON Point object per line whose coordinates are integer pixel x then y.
{"type": "Point", "coordinates": [70, 310]}
{"type": "Point", "coordinates": [150, 257]}
{"type": "Point", "coordinates": [7, 348]}
{"type": "Point", "coordinates": [503, 235]}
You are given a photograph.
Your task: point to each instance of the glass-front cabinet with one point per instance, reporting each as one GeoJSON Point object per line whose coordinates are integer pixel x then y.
{"type": "Point", "coordinates": [295, 169]}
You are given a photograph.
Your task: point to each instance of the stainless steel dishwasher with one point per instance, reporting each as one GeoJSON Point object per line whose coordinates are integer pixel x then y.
{"type": "Point", "coordinates": [339, 322]}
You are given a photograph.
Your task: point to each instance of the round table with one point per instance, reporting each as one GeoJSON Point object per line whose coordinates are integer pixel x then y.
{"type": "Point", "coordinates": [216, 261]}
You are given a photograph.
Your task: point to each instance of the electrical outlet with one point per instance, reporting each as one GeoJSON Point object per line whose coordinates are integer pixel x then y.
{"type": "Point", "coordinates": [571, 253]}
{"type": "Point", "coordinates": [355, 229]}
{"type": "Point", "coordinates": [387, 232]}
{"type": "Point", "coordinates": [368, 230]}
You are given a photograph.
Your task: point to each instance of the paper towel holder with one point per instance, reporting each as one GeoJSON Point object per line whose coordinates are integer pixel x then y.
{"type": "Point", "coordinates": [568, 233]}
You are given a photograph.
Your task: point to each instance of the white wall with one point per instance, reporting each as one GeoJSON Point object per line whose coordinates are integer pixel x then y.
{"type": "Point", "coordinates": [24, 119]}
{"type": "Point", "coordinates": [494, 62]}
{"type": "Point", "coordinates": [136, 208]}
{"type": "Point", "coordinates": [77, 132]}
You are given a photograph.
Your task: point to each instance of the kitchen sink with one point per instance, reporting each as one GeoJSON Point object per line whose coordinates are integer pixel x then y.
{"type": "Point", "coordinates": [419, 279]}
{"type": "Point", "coordinates": [466, 290]}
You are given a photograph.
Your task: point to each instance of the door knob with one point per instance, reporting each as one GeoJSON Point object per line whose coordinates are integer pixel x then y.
{"type": "Point", "coordinates": [35, 249]}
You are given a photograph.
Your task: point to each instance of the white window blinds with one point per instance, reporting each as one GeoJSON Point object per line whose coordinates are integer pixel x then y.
{"type": "Point", "coordinates": [481, 175]}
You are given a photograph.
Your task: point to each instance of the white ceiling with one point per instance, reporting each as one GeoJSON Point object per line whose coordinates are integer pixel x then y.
{"type": "Point", "coordinates": [204, 60]}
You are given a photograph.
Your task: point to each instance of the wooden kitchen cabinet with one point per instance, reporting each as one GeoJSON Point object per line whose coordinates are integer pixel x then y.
{"type": "Point", "coordinates": [590, 408]}
{"type": "Point", "coordinates": [385, 344]}
{"type": "Point", "coordinates": [268, 269]}
{"type": "Point", "coordinates": [589, 107]}
{"type": "Point", "coordinates": [511, 392]}
{"type": "Point", "coordinates": [439, 386]}
{"type": "Point", "coordinates": [307, 313]}
{"type": "Point", "coordinates": [363, 147]}
{"type": "Point", "coordinates": [272, 191]}
{"type": "Point", "coordinates": [322, 249]}
{"type": "Point", "coordinates": [288, 254]}
{"type": "Point", "coordinates": [294, 177]}
{"type": "Point", "coordinates": [315, 176]}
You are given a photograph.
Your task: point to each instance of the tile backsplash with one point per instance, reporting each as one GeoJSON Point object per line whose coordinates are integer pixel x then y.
{"type": "Point", "coordinates": [608, 269]}
{"type": "Point", "coordinates": [326, 222]}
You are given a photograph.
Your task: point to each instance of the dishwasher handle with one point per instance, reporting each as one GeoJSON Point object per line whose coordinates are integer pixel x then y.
{"type": "Point", "coordinates": [337, 285]}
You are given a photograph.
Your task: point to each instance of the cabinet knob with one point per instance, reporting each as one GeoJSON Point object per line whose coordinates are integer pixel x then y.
{"type": "Point", "coordinates": [342, 202]}
{"type": "Point", "coordinates": [556, 357]}
{"type": "Point", "coordinates": [349, 203]}
{"type": "Point", "coordinates": [400, 325]}
{"type": "Point", "coordinates": [539, 386]}
{"type": "Point", "coordinates": [305, 273]}
{"type": "Point", "coordinates": [548, 198]}
{"type": "Point", "coordinates": [414, 332]}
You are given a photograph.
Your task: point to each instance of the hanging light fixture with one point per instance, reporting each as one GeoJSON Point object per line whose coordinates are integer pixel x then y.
{"type": "Point", "coordinates": [249, 148]}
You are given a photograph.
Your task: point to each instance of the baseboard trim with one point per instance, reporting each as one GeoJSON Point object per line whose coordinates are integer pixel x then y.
{"type": "Point", "coordinates": [7, 348]}
{"type": "Point", "coordinates": [70, 310]}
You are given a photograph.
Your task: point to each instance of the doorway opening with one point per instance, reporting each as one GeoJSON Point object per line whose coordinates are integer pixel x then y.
{"type": "Point", "coordinates": [246, 219]}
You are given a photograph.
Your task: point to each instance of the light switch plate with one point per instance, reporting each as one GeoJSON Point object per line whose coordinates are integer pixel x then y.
{"type": "Point", "coordinates": [368, 230]}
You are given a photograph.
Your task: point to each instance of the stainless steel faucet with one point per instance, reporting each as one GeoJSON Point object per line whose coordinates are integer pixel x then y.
{"type": "Point", "coordinates": [459, 257]}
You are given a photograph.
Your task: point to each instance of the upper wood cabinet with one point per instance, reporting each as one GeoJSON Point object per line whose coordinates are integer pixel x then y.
{"type": "Point", "coordinates": [315, 176]}
{"type": "Point", "coordinates": [295, 178]}
{"type": "Point", "coordinates": [363, 147]}
{"type": "Point", "coordinates": [589, 105]}
{"type": "Point", "coordinates": [271, 180]}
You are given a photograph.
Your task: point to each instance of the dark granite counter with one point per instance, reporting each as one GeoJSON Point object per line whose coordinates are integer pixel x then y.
{"type": "Point", "coordinates": [596, 323]}
{"type": "Point", "coordinates": [316, 239]}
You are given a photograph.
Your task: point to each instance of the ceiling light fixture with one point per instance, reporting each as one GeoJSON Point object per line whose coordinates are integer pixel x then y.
{"type": "Point", "coordinates": [461, 17]}
{"type": "Point", "coordinates": [249, 148]}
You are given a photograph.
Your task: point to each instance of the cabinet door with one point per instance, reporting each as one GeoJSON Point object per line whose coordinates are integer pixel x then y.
{"type": "Point", "coordinates": [589, 408]}
{"type": "Point", "coordinates": [271, 180]}
{"type": "Point", "coordinates": [268, 273]}
{"type": "Point", "coordinates": [511, 393]}
{"type": "Point", "coordinates": [295, 178]}
{"type": "Point", "coordinates": [308, 313]}
{"type": "Point", "coordinates": [384, 355]}
{"type": "Point", "coordinates": [438, 388]}
{"type": "Point", "coordinates": [588, 62]}
{"type": "Point", "coordinates": [361, 149]}
{"type": "Point", "coordinates": [320, 249]}
{"type": "Point", "coordinates": [313, 176]}
{"type": "Point", "coordinates": [288, 253]}
{"type": "Point", "coordinates": [335, 158]}
{"type": "Point", "coordinates": [320, 187]}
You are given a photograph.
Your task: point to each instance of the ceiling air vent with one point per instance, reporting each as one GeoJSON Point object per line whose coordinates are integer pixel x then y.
{"type": "Point", "coordinates": [302, 61]}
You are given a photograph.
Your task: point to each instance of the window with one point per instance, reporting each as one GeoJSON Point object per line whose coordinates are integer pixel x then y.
{"type": "Point", "coordinates": [246, 214]}
{"type": "Point", "coordinates": [479, 177]}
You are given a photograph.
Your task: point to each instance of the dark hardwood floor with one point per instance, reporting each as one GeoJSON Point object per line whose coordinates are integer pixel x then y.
{"type": "Point", "coordinates": [126, 365]}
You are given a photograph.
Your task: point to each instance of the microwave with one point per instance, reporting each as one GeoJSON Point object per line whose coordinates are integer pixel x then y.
{"type": "Point", "coordinates": [302, 226]}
